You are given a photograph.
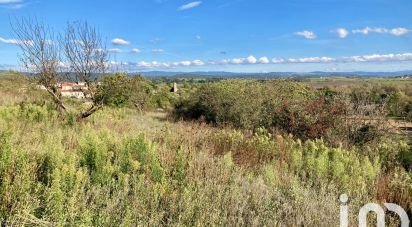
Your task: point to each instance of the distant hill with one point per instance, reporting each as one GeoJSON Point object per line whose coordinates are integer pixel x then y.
{"type": "Point", "coordinates": [268, 75]}
{"type": "Point", "coordinates": [219, 74]}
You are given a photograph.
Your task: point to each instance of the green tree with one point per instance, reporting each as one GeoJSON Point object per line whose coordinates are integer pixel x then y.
{"type": "Point", "coordinates": [114, 90]}
{"type": "Point", "coordinates": [121, 90]}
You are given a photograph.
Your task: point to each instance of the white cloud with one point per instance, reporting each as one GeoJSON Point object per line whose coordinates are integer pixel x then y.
{"type": "Point", "coordinates": [399, 31]}
{"type": "Point", "coordinates": [278, 60]}
{"type": "Point", "coordinates": [144, 64]}
{"type": "Point", "coordinates": [306, 34]}
{"type": "Point", "coordinates": [198, 62]}
{"type": "Point", "coordinates": [310, 60]}
{"type": "Point", "coordinates": [158, 50]}
{"type": "Point", "coordinates": [368, 30]}
{"type": "Point", "coordinates": [190, 5]}
{"type": "Point", "coordinates": [101, 50]}
{"type": "Point", "coordinates": [324, 59]}
{"type": "Point", "coordinates": [363, 58]}
{"type": "Point", "coordinates": [264, 60]}
{"type": "Point", "coordinates": [189, 63]}
{"type": "Point", "coordinates": [394, 31]}
{"type": "Point", "coordinates": [136, 50]}
{"type": "Point", "coordinates": [120, 42]}
{"type": "Point", "coordinates": [186, 63]}
{"type": "Point", "coordinates": [380, 57]}
{"type": "Point", "coordinates": [237, 60]}
{"type": "Point", "coordinates": [198, 37]}
{"type": "Point", "coordinates": [114, 50]}
{"type": "Point", "coordinates": [77, 42]}
{"type": "Point", "coordinates": [10, 1]}
{"type": "Point", "coordinates": [342, 33]}
{"type": "Point", "coordinates": [9, 41]}
{"type": "Point", "coordinates": [17, 6]}
{"type": "Point", "coordinates": [155, 64]}
{"type": "Point", "coordinates": [251, 60]}
{"type": "Point", "coordinates": [18, 42]}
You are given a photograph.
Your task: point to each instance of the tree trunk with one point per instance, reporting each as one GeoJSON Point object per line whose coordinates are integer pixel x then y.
{"type": "Point", "coordinates": [90, 111]}
{"type": "Point", "coordinates": [59, 104]}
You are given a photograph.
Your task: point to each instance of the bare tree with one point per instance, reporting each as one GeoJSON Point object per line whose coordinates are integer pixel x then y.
{"type": "Point", "coordinates": [87, 56]}
{"type": "Point", "coordinates": [82, 48]}
{"type": "Point", "coordinates": [40, 55]}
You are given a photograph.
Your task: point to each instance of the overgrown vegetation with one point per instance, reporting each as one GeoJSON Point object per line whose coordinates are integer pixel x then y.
{"type": "Point", "coordinates": [120, 90]}
{"type": "Point", "coordinates": [353, 116]}
{"type": "Point", "coordinates": [125, 167]}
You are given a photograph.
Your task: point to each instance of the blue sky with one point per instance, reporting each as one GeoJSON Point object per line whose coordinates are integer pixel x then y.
{"type": "Point", "coordinates": [233, 35]}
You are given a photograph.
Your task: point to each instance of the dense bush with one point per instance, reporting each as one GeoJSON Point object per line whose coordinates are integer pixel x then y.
{"type": "Point", "coordinates": [397, 99]}
{"type": "Point", "coordinates": [311, 161]}
{"type": "Point", "coordinates": [121, 90]}
{"type": "Point", "coordinates": [285, 105]}
{"type": "Point", "coordinates": [162, 97]}
{"type": "Point", "coordinates": [28, 112]}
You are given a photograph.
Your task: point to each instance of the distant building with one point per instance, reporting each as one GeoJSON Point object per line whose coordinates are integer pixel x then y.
{"type": "Point", "coordinates": [174, 88]}
{"type": "Point", "coordinates": [77, 90]}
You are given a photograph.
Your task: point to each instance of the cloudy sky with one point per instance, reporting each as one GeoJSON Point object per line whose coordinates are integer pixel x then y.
{"type": "Point", "coordinates": [233, 35]}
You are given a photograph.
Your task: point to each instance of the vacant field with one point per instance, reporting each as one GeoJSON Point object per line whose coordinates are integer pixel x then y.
{"type": "Point", "coordinates": [124, 167]}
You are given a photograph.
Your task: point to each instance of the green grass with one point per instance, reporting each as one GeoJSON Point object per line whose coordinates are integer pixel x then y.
{"type": "Point", "coordinates": [15, 88]}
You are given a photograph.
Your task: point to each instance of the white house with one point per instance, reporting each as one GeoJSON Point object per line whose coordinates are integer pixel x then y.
{"type": "Point", "coordinates": [74, 90]}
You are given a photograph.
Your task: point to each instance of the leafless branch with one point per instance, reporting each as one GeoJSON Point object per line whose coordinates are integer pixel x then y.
{"type": "Point", "coordinates": [40, 55]}
{"type": "Point", "coordinates": [87, 57]}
